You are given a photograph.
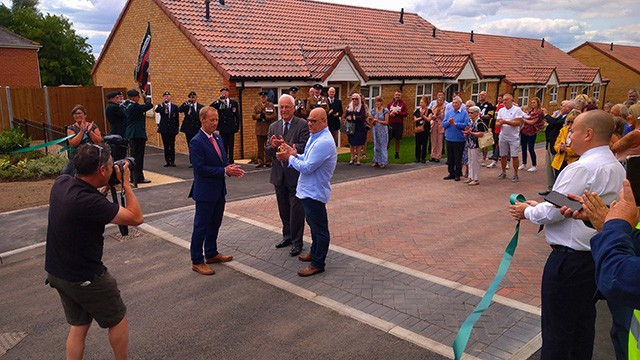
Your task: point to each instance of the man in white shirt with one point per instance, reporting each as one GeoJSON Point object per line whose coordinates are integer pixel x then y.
{"type": "Point", "coordinates": [509, 119]}
{"type": "Point", "coordinates": [568, 280]}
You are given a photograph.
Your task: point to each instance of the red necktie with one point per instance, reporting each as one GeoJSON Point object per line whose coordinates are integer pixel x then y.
{"type": "Point", "coordinates": [215, 146]}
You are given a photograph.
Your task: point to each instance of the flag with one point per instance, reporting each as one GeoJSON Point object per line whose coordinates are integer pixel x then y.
{"type": "Point", "coordinates": [141, 73]}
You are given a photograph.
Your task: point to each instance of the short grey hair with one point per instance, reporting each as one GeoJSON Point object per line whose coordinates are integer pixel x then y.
{"type": "Point", "coordinates": [289, 97]}
{"type": "Point", "coordinates": [632, 91]}
{"type": "Point", "coordinates": [474, 109]}
{"type": "Point", "coordinates": [457, 98]}
{"type": "Point", "coordinates": [571, 104]}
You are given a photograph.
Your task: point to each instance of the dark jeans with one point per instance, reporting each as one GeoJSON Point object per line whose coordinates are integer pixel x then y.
{"type": "Point", "coordinates": [206, 224]}
{"type": "Point", "coordinates": [568, 308]}
{"type": "Point", "coordinates": [496, 149]}
{"type": "Point", "coordinates": [528, 142]}
{"type": "Point", "coordinates": [227, 139]}
{"type": "Point", "coordinates": [421, 145]}
{"type": "Point", "coordinates": [291, 213]}
{"type": "Point", "coordinates": [316, 215]}
{"type": "Point", "coordinates": [136, 147]}
{"type": "Point", "coordinates": [169, 144]}
{"type": "Point", "coordinates": [454, 157]}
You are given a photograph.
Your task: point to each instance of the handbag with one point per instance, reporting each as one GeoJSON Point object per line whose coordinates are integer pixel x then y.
{"type": "Point", "coordinates": [350, 127]}
{"type": "Point", "coordinates": [485, 140]}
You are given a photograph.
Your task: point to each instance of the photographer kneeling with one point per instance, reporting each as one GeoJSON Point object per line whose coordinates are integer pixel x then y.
{"type": "Point", "coordinates": [78, 214]}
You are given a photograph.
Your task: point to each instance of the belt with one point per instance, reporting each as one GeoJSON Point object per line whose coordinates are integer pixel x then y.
{"type": "Point", "coordinates": [565, 249]}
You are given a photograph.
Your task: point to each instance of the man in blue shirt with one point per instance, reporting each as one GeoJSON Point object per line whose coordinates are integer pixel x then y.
{"type": "Point", "coordinates": [455, 121]}
{"type": "Point", "coordinates": [316, 166]}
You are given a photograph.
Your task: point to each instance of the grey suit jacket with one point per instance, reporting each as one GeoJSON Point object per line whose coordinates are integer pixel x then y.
{"type": "Point", "coordinates": [297, 136]}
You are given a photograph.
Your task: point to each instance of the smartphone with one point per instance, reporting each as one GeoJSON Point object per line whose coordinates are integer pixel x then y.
{"type": "Point", "coordinates": [561, 200]}
{"type": "Point", "coordinates": [633, 175]}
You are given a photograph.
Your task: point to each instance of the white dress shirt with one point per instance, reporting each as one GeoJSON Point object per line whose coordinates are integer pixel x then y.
{"type": "Point", "coordinates": [598, 171]}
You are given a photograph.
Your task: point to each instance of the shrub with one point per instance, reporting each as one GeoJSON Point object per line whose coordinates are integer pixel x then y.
{"type": "Point", "coordinates": [46, 166]}
{"type": "Point", "coordinates": [13, 139]}
{"type": "Point", "coordinates": [30, 166]}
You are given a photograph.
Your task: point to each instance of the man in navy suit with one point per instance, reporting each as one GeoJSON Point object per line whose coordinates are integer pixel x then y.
{"type": "Point", "coordinates": [168, 128]}
{"type": "Point", "coordinates": [210, 165]}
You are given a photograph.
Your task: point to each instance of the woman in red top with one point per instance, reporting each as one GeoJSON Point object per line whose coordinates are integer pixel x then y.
{"type": "Point", "coordinates": [533, 122]}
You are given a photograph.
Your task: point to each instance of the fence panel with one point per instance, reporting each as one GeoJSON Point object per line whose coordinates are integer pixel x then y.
{"type": "Point", "coordinates": [4, 110]}
{"type": "Point", "coordinates": [29, 103]}
{"type": "Point", "coordinates": [63, 99]}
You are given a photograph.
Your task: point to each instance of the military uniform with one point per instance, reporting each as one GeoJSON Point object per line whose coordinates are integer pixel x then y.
{"type": "Point", "coordinates": [316, 101]}
{"type": "Point", "coordinates": [264, 115]}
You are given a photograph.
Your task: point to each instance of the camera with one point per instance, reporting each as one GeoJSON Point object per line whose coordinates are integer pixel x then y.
{"type": "Point", "coordinates": [113, 181]}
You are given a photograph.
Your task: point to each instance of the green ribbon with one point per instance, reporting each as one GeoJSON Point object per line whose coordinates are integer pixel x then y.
{"type": "Point", "coordinates": [460, 343]}
{"type": "Point", "coordinates": [40, 146]}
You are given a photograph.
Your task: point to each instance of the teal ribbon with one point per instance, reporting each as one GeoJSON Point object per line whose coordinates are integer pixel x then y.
{"type": "Point", "coordinates": [460, 343]}
{"type": "Point", "coordinates": [40, 146]}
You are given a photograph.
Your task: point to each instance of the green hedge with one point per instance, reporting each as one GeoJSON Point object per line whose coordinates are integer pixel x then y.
{"type": "Point", "coordinates": [11, 140]}
{"type": "Point", "coordinates": [30, 166]}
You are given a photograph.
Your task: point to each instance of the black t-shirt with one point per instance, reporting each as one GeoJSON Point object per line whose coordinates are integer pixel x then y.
{"type": "Point", "coordinates": [487, 108]}
{"type": "Point", "coordinates": [427, 124]}
{"type": "Point", "coordinates": [77, 216]}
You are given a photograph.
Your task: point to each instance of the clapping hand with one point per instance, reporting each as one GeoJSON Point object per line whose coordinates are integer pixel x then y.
{"type": "Point", "coordinates": [284, 151]}
{"type": "Point", "coordinates": [452, 121]}
{"type": "Point", "coordinates": [276, 141]}
{"type": "Point", "coordinates": [234, 170]}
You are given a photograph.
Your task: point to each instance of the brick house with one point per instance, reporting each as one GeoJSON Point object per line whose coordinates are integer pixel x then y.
{"type": "Point", "coordinates": [19, 65]}
{"type": "Point", "coordinates": [253, 45]}
{"type": "Point", "coordinates": [620, 63]}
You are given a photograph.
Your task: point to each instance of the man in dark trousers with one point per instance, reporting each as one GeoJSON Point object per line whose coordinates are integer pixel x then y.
{"type": "Point", "coordinates": [135, 130]}
{"type": "Point", "coordinates": [334, 114]}
{"type": "Point", "coordinates": [168, 128]}
{"type": "Point", "coordinates": [210, 166]}
{"type": "Point", "coordinates": [229, 122]}
{"type": "Point", "coordinates": [295, 132]}
{"type": "Point", "coordinates": [191, 122]}
{"type": "Point", "coordinates": [116, 118]}
{"type": "Point", "coordinates": [554, 124]}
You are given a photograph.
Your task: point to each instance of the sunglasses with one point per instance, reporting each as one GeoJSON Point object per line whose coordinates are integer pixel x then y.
{"type": "Point", "coordinates": [313, 121]}
{"type": "Point", "coordinates": [355, 99]}
{"type": "Point", "coordinates": [99, 150]}
{"type": "Point", "coordinates": [78, 113]}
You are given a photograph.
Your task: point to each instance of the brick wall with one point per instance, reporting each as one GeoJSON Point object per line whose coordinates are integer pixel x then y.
{"type": "Point", "coordinates": [622, 78]}
{"type": "Point", "coordinates": [19, 68]}
{"type": "Point", "coordinates": [175, 64]}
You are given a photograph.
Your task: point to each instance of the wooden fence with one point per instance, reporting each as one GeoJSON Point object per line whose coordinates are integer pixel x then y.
{"type": "Point", "coordinates": [52, 105]}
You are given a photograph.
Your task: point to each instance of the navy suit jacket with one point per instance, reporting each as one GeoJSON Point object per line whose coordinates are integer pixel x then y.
{"type": "Point", "coordinates": [208, 168]}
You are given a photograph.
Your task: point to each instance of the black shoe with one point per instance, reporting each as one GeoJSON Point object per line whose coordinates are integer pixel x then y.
{"type": "Point", "coordinates": [267, 165]}
{"type": "Point", "coordinates": [417, 161]}
{"type": "Point", "coordinates": [259, 166]}
{"type": "Point", "coordinates": [544, 193]}
{"type": "Point", "coordinates": [457, 178]}
{"type": "Point", "coordinates": [423, 161]}
{"type": "Point", "coordinates": [190, 166]}
{"type": "Point", "coordinates": [283, 243]}
{"type": "Point", "coordinates": [295, 250]}
{"type": "Point", "coordinates": [144, 181]}
{"type": "Point", "coordinates": [172, 164]}
{"type": "Point", "coordinates": [432, 160]}
{"type": "Point", "coordinates": [436, 160]}
{"type": "Point", "coordinates": [397, 156]}
{"type": "Point", "coordinates": [166, 165]}
{"type": "Point", "coordinates": [448, 177]}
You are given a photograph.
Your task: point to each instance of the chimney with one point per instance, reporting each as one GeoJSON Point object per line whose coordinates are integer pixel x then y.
{"type": "Point", "coordinates": [611, 48]}
{"type": "Point", "coordinates": [471, 36]}
{"type": "Point", "coordinates": [207, 14]}
{"type": "Point", "coordinates": [221, 2]}
{"type": "Point", "coordinates": [402, 16]}
{"type": "Point", "coordinates": [542, 43]}
{"type": "Point", "coordinates": [434, 32]}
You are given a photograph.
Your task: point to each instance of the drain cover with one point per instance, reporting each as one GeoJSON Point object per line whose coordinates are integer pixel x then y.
{"type": "Point", "coordinates": [9, 340]}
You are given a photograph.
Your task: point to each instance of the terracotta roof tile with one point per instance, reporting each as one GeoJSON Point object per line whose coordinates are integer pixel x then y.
{"type": "Point", "coordinates": [519, 59]}
{"type": "Point", "coordinates": [628, 55]}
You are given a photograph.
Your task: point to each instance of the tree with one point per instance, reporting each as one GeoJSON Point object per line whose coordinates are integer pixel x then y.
{"type": "Point", "coordinates": [65, 57]}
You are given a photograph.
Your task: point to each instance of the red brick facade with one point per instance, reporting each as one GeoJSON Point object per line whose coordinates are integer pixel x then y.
{"type": "Point", "coordinates": [19, 67]}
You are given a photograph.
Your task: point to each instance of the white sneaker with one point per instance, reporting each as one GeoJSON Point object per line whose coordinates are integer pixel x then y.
{"type": "Point", "coordinates": [522, 167]}
{"type": "Point", "coordinates": [532, 169]}
{"type": "Point", "coordinates": [507, 166]}
{"type": "Point", "coordinates": [492, 164]}
{"type": "Point", "coordinates": [483, 163]}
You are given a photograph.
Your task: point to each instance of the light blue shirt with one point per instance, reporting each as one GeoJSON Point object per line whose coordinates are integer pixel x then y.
{"type": "Point", "coordinates": [316, 167]}
{"type": "Point", "coordinates": [454, 133]}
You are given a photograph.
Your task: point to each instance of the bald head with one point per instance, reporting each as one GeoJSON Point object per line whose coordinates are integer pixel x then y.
{"type": "Point", "coordinates": [317, 120]}
{"type": "Point", "coordinates": [600, 122]}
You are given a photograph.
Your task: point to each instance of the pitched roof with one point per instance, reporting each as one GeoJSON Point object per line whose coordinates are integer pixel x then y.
{"type": "Point", "coordinates": [627, 55]}
{"type": "Point", "coordinates": [519, 59]}
{"type": "Point", "coordinates": [10, 39]}
{"type": "Point", "coordinates": [267, 39]}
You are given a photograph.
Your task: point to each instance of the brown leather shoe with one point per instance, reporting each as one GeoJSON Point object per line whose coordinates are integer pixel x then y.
{"type": "Point", "coordinates": [309, 270]}
{"type": "Point", "coordinates": [202, 269]}
{"type": "Point", "coordinates": [218, 259]}
{"type": "Point", "coordinates": [305, 257]}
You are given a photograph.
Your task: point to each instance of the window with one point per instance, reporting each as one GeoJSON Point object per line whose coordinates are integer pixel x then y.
{"type": "Point", "coordinates": [448, 95]}
{"type": "Point", "coordinates": [596, 91]}
{"type": "Point", "coordinates": [476, 89]}
{"type": "Point", "coordinates": [574, 93]}
{"type": "Point", "coordinates": [523, 97]}
{"type": "Point", "coordinates": [585, 90]}
{"type": "Point", "coordinates": [553, 95]}
{"type": "Point", "coordinates": [423, 90]}
{"type": "Point", "coordinates": [370, 92]}
{"type": "Point", "coordinates": [540, 95]}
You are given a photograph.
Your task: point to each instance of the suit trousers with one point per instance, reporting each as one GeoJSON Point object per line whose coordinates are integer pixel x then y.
{"type": "Point", "coordinates": [136, 147]}
{"type": "Point", "coordinates": [206, 224]}
{"type": "Point", "coordinates": [291, 214]}
{"type": "Point", "coordinates": [568, 307]}
{"type": "Point", "coordinates": [227, 139]}
{"type": "Point", "coordinates": [421, 145]}
{"type": "Point", "coordinates": [169, 144]}
{"type": "Point", "coordinates": [454, 157]}
{"type": "Point", "coordinates": [551, 178]}
{"type": "Point", "coordinates": [189, 136]}
{"type": "Point", "coordinates": [262, 141]}
{"type": "Point", "coordinates": [316, 213]}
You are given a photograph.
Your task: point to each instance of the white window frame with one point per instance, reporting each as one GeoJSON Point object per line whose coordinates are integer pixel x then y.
{"type": "Point", "coordinates": [553, 95]}
{"type": "Point", "coordinates": [476, 89]}
{"type": "Point", "coordinates": [523, 97]}
{"type": "Point", "coordinates": [370, 99]}
{"type": "Point", "coordinates": [585, 90]}
{"type": "Point", "coordinates": [596, 91]}
{"type": "Point", "coordinates": [421, 91]}
{"type": "Point", "coordinates": [573, 93]}
{"type": "Point", "coordinates": [541, 95]}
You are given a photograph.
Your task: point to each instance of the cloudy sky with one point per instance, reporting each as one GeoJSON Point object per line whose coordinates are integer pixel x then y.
{"type": "Point", "coordinates": [564, 23]}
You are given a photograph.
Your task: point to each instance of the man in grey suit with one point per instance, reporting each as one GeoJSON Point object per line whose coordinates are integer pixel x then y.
{"type": "Point", "coordinates": [295, 132]}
